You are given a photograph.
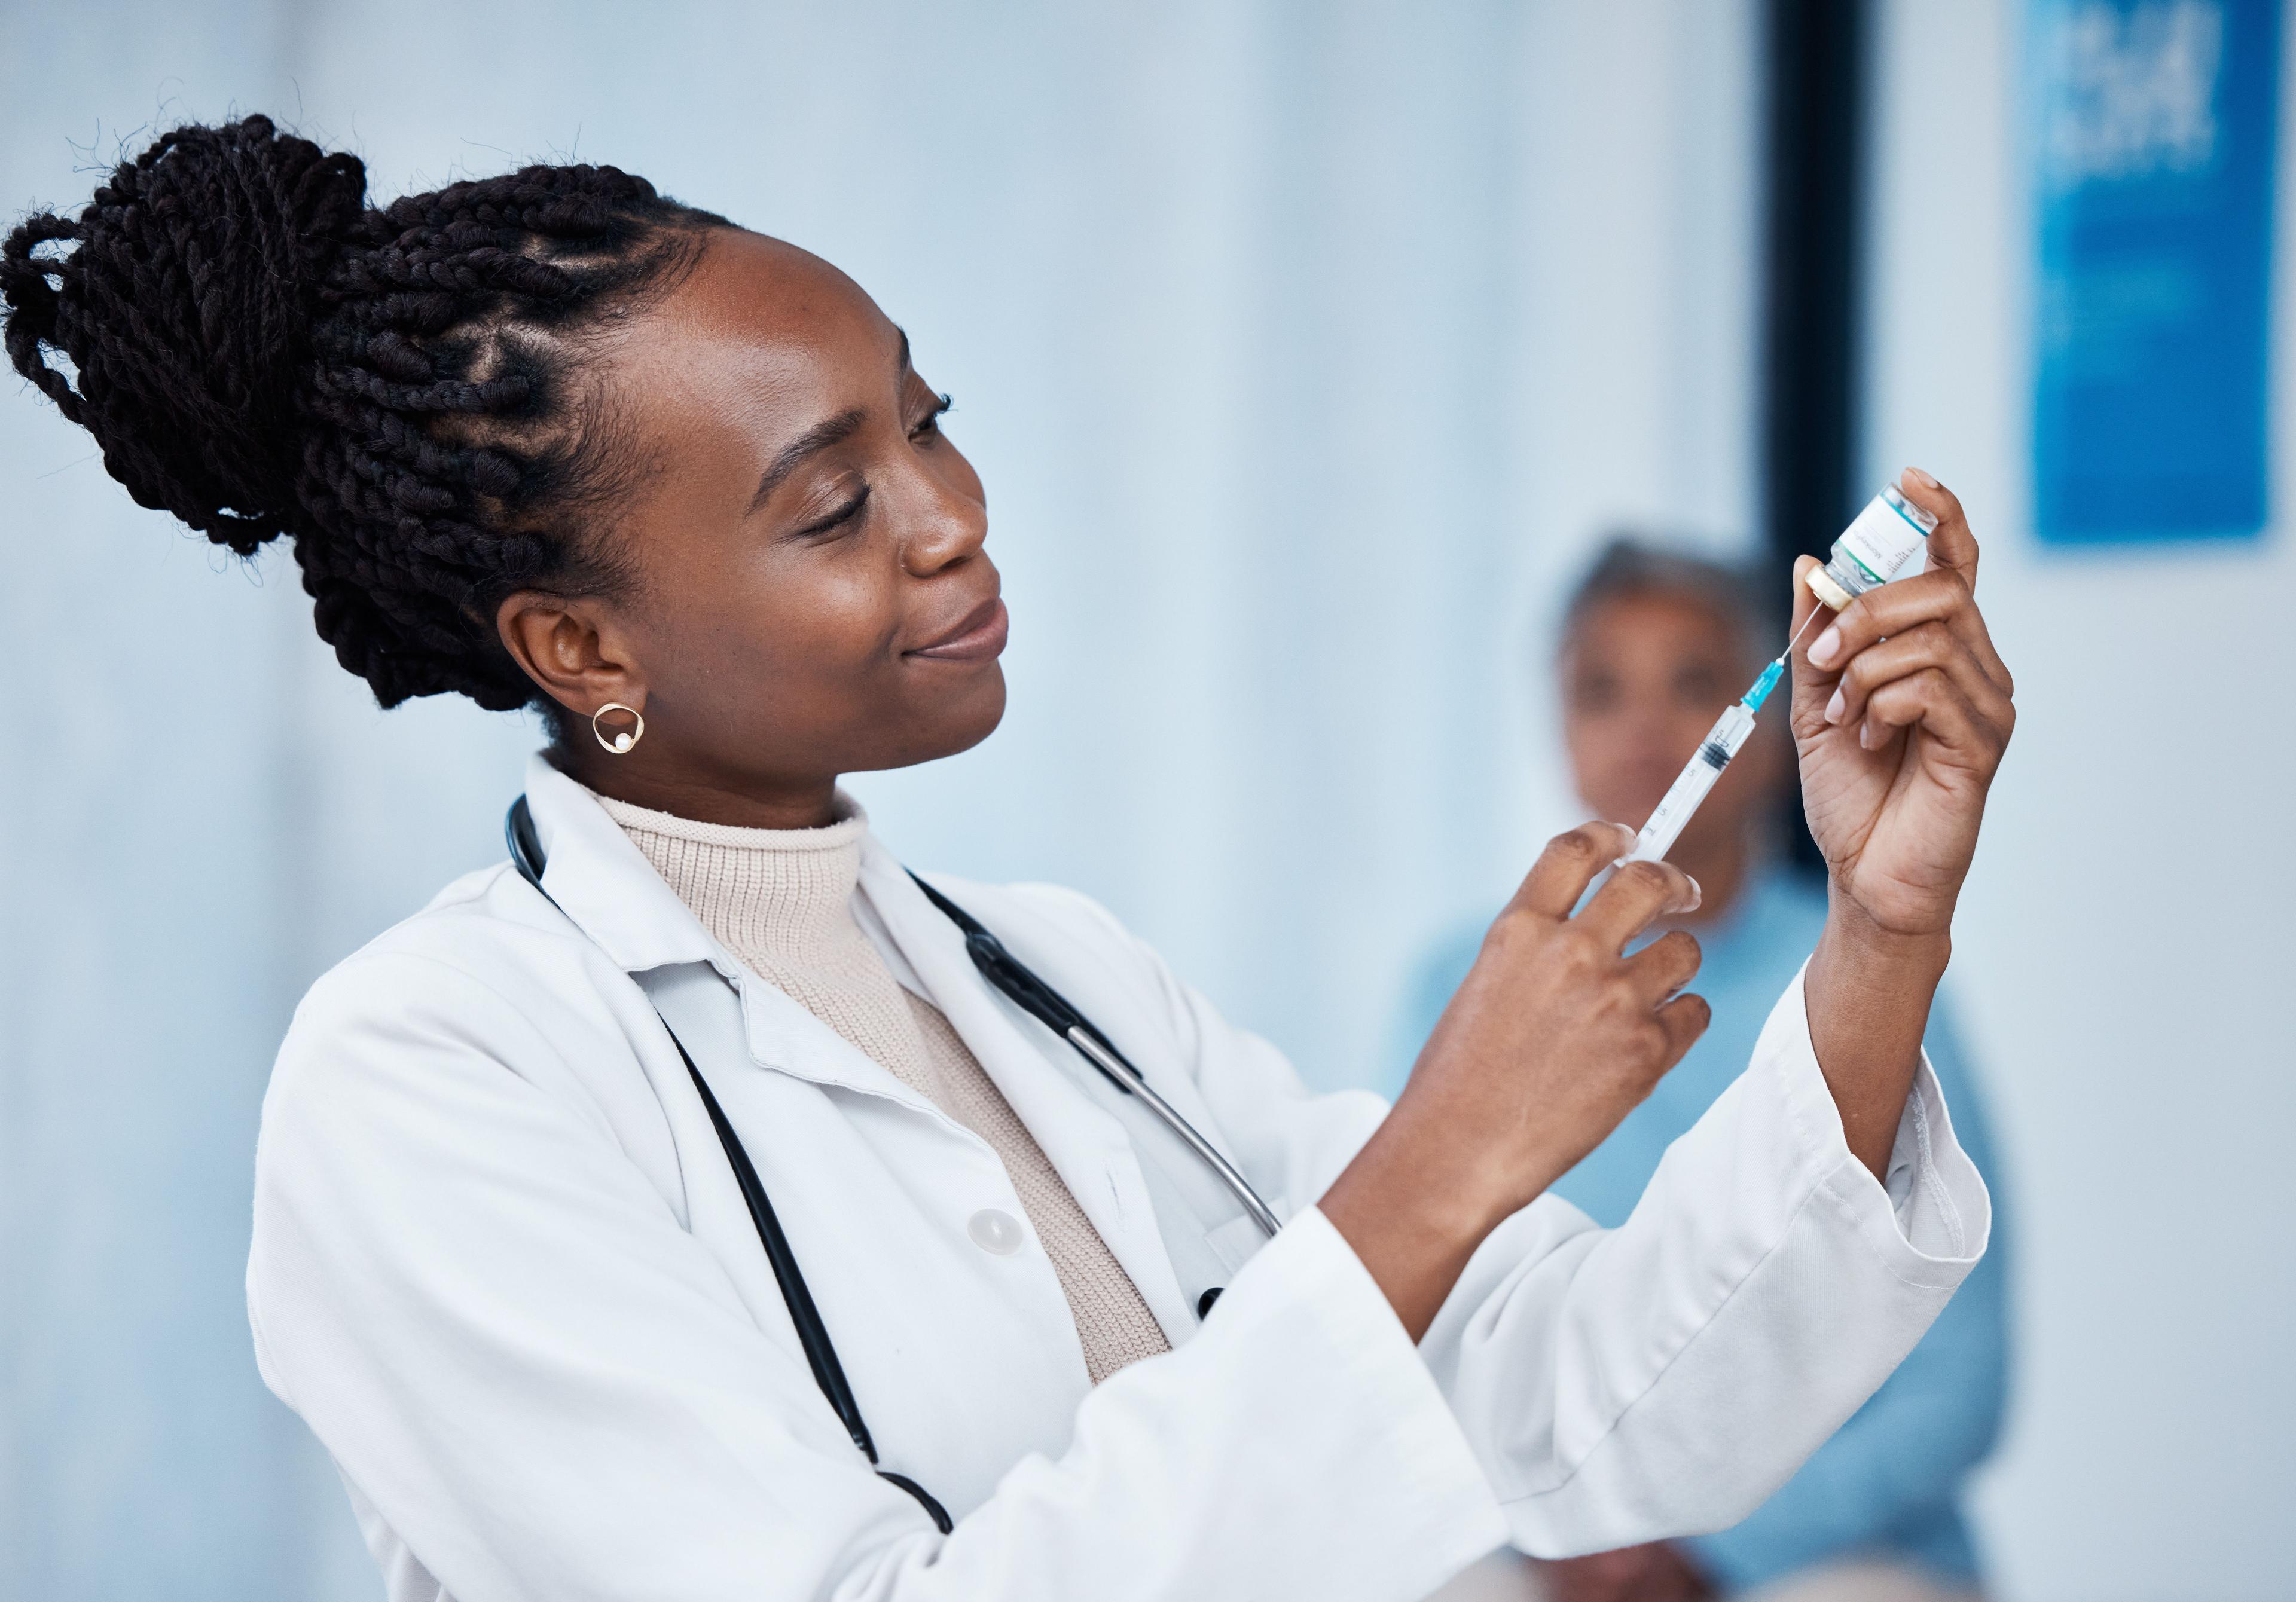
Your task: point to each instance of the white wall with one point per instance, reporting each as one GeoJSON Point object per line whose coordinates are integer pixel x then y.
{"type": "Point", "coordinates": [2123, 948]}
{"type": "Point", "coordinates": [1302, 347]}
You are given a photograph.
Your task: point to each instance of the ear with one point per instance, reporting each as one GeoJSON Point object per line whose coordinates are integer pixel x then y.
{"type": "Point", "coordinates": [571, 647]}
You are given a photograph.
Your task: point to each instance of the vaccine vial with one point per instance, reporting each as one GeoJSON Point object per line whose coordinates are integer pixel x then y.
{"type": "Point", "coordinates": [1879, 541]}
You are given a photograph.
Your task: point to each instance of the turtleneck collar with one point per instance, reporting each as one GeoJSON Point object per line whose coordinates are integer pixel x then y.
{"type": "Point", "coordinates": [786, 890]}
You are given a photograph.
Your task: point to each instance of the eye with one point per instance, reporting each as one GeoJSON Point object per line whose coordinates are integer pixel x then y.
{"type": "Point", "coordinates": [1700, 683]}
{"type": "Point", "coordinates": [928, 427]}
{"type": "Point", "coordinates": [1595, 692]}
{"type": "Point", "coordinates": [839, 518]}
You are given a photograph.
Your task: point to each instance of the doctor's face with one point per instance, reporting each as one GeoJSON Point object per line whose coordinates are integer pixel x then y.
{"type": "Point", "coordinates": [806, 591]}
{"type": "Point", "coordinates": [1644, 678]}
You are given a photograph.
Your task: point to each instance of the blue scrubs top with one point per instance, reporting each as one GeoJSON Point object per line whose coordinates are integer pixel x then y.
{"type": "Point", "coordinates": [1889, 1483]}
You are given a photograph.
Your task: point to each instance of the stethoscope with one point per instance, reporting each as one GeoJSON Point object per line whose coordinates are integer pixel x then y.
{"type": "Point", "coordinates": [1019, 984]}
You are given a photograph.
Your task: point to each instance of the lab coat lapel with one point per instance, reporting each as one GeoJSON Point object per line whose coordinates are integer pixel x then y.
{"type": "Point", "coordinates": [781, 1035]}
{"type": "Point", "coordinates": [608, 887]}
{"type": "Point", "coordinates": [1088, 1148]}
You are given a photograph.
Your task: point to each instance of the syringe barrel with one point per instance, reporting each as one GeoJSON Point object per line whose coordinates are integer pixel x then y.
{"type": "Point", "coordinates": [1690, 786]}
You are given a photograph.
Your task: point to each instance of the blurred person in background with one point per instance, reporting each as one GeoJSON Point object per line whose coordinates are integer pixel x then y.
{"type": "Point", "coordinates": [1653, 642]}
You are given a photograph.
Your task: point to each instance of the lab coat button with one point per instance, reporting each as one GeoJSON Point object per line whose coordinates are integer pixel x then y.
{"type": "Point", "coordinates": [995, 1231]}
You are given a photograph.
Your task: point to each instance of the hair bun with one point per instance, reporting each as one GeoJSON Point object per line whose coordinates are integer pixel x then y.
{"type": "Point", "coordinates": [183, 297]}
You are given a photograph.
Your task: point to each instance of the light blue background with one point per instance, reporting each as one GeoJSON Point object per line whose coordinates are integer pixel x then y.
{"type": "Point", "coordinates": [1305, 348]}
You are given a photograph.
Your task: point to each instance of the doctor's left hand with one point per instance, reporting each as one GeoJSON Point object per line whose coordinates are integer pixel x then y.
{"type": "Point", "coordinates": [1902, 711]}
{"type": "Point", "coordinates": [1901, 714]}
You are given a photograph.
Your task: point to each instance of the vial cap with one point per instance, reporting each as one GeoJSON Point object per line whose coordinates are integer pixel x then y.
{"type": "Point", "coordinates": [1823, 586]}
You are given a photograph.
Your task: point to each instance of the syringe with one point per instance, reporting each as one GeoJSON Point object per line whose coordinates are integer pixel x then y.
{"type": "Point", "coordinates": [1875, 548]}
{"type": "Point", "coordinates": [1698, 775]}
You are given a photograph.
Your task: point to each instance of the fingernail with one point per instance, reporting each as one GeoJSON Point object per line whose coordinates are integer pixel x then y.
{"type": "Point", "coordinates": [1864, 737]}
{"type": "Point", "coordinates": [1833, 708]}
{"type": "Point", "coordinates": [1823, 649]}
{"type": "Point", "coordinates": [1923, 478]}
{"type": "Point", "coordinates": [1697, 895]}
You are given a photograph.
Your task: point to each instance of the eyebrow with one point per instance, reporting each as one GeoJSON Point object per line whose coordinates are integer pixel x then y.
{"type": "Point", "coordinates": [818, 438]}
{"type": "Point", "coordinates": [792, 455]}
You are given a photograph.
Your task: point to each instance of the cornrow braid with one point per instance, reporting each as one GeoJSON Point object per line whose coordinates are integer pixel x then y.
{"type": "Point", "coordinates": [259, 352]}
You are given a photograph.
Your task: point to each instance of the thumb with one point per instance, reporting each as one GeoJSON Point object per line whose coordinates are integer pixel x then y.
{"type": "Point", "coordinates": [1812, 685]}
{"type": "Point", "coordinates": [1953, 548]}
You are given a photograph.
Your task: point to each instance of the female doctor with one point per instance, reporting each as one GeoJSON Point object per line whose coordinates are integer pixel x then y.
{"type": "Point", "coordinates": [552, 438]}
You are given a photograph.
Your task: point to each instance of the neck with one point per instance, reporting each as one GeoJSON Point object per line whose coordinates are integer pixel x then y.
{"type": "Point", "coordinates": [739, 802]}
{"type": "Point", "coordinates": [1721, 867]}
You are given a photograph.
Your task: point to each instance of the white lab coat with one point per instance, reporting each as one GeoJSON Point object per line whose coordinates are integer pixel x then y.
{"type": "Point", "coordinates": [502, 1269]}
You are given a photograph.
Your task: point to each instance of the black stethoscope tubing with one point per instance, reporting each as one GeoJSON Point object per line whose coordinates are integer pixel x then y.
{"type": "Point", "coordinates": [1016, 980]}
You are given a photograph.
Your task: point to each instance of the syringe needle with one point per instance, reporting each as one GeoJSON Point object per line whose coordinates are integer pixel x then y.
{"type": "Point", "coordinates": [1814, 613]}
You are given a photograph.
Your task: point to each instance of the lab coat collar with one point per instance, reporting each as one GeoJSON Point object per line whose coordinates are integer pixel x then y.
{"type": "Point", "coordinates": [604, 882]}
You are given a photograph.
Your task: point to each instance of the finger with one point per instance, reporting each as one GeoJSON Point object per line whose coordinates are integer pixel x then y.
{"type": "Point", "coordinates": [1930, 700]}
{"type": "Point", "coordinates": [1684, 1018]}
{"type": "Point", "coordinates": [1895, 609]}
{"type": "Point", "coordinates": [1952, 547]}
{"type": "Point", "coordinates": [1666, 964]}
{"type": "Point", "coordinates": [1634, 896]}
{"type": "Point", "coordinates": [1808, 686]}
{"type": "Point", "coordinates": [1568, 864]}
{"type": "Point", "coordinates": [1901, 656]}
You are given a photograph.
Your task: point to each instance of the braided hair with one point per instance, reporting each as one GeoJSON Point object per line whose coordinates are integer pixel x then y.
{"type": "Point", "coordinates": [396, 390]}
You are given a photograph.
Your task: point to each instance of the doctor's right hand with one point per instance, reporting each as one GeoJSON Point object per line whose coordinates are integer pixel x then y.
{"type": "Point", "coordinates": [1555, 1037]}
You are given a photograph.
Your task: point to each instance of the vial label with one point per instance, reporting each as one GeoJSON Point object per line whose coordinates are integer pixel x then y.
{"type": "Point", "coordinates": [1880, 540]}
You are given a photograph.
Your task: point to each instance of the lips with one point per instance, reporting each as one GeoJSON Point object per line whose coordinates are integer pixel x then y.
{"type": "Point", "coordinates": [981, 633]}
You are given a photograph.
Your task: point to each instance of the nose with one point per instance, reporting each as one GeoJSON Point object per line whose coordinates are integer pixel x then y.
{"type": "Point", "coordinates": [950, 529]}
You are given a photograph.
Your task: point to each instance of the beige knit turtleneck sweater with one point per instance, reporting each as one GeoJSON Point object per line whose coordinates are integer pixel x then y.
{"type": "Point", "coordinates": [781, 901]}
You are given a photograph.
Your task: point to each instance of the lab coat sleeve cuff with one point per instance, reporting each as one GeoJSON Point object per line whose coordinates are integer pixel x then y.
{"type": "Point", "coordinates": [1663, 1379]}
{"type": "Point", "coordinates": [1929, 1219]}
{"type": "Point", "coordinates": [1426, 1509]}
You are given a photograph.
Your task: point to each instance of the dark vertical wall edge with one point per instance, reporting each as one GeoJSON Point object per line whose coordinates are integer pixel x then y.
{"type": "Point", "coordinates": [1814, 159]}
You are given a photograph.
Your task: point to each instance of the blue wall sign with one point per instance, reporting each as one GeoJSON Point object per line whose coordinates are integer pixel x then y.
{"type": "Point", "coordinates": [2155, 175]}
